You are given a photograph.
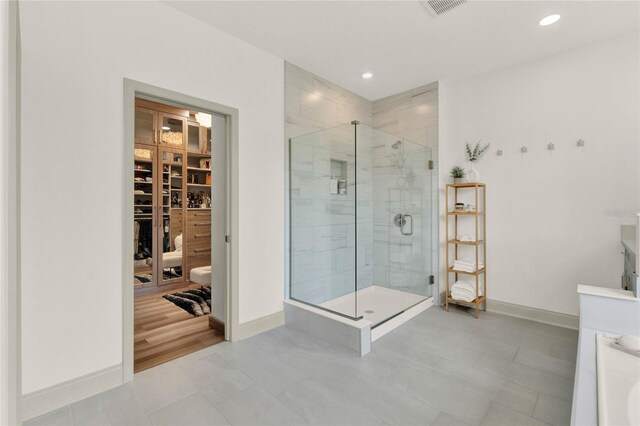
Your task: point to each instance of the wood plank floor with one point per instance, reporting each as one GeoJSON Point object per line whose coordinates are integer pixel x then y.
{"type": "Point", "coordinates": [164, 332]}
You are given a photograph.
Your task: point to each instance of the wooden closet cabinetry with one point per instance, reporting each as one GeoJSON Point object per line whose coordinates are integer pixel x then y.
{"type": "Point", "coordinates": [172, 195]}
{"type": "Point", "coordinates": [198, 238]}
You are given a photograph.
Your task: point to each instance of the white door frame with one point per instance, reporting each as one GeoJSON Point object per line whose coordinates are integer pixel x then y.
{"type": "Point", "coordinates": [10, 324]}
{"type": "Point", "coordinates": [131, 90]}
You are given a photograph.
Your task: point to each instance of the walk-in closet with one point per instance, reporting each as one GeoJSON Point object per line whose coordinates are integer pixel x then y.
{"type": "Point", "coordinates": [172, 224]}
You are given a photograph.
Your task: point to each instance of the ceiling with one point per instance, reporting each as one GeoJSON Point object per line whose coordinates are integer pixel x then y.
{"type": "Point", "coordinates": [402, 44]}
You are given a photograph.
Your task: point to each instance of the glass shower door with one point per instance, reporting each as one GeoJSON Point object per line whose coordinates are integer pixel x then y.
{"type": "Point", "coordinates": [395, 182]}
{"type": "Point", "coordinates": [414, 270]}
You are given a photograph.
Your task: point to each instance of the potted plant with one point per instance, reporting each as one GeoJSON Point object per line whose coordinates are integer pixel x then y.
{"type": "Point", "coordinates": [472, 156]}
{"type": "Point", "coordinates": [457, 173]}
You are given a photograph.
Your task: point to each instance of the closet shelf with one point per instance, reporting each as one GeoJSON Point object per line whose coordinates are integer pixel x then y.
{"type": "Point", "coordinates": [467, 185]}
{"type": "Point", "coordinates": [465, 213]}
{"type": "Point", "coordinates": [456, 271]}
{"type": "Point", "coordinates": [466, 243]}
{"type": "Point", "coordinates": [198, 154]}
{"type": "Point", "coordinates": [201, 185]}
{"type": "Point", "coordinates": [198, 169]}
{"type": "Point", "coordinates": [465, 303]}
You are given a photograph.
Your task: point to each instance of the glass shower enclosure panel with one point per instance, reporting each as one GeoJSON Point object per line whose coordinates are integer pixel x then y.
{"type": "Point", "coordinates": [394, 185]}
{"type": "Point", "coordinates": [323, 220]}
{"type": "Point", "coordinates": [361, 222]}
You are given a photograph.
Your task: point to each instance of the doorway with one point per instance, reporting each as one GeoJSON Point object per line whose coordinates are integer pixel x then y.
{"type": "Point", "coordinates": [179, 198]}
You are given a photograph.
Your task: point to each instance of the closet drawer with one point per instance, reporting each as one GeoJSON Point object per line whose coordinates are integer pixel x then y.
{"type": "Point", "coordinates": [198, 222]}
{"type": "Point", "coordinates": [199, 216]}
{"type": "Point", "coordinates": [198, 226]}
{"type": "Point", "coordinates": [199, 246]}
{"type": "Point", "coordinates": [200, 260]}
{"type": "Point", "coordinates": [199, 236]}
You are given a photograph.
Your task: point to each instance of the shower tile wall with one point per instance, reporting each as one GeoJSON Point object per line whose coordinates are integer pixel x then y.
{"type": "Point", "coordinates": [397, 262]}
{"type": "Point", "coordinates": [323, 228]}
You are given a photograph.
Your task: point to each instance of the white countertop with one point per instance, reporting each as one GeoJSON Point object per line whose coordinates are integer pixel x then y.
{"type": "Point", "coordinates": [613, 293]}
{"type": "Point", "coordinates": [629, 237]}
{"type": "Point", "coordinates": [618, 375]}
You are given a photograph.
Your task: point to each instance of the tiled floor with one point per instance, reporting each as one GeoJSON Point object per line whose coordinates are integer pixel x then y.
{"type": "Point", "coordinates": [439, 368]}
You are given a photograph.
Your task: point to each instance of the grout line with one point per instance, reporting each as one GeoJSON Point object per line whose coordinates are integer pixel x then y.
{"type": "Point", "coordinates": [516, 355]}
{"type": "Point", "coordinates": [536, 405]}
{"type": "Point", "coordinates": [486, 412]}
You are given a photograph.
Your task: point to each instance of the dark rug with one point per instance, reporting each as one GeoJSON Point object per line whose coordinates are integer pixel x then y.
{"type": "Point", "coordinates": [196, 302]}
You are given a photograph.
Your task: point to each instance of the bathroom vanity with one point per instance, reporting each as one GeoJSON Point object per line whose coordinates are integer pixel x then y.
{"type": "Point", "coordinates": [603, 311]}
{"type": "Point", "coordinates": [618, 374]}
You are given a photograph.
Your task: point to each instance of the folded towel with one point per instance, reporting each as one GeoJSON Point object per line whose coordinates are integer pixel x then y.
{"type": "Point", "coordinates": [466, 265]}
{"type": "Point", "coordinates": [465, 291]}
{"type": "Point", "coordinates": [466, 238]}
{"type": "Point", "coordinates": [465, 297]}
{"type": "Point", "coordinates": [467, 286]}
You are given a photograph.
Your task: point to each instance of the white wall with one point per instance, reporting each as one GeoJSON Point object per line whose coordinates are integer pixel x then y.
{"type": "Point", "coordinates": [549, 221]}
{"type": "Point", "coordinates": [9, 215]}
{"type": "Point", "coordinates": [75, 56]}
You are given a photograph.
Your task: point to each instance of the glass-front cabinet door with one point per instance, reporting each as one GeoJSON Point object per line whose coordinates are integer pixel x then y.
{"type": "Point", "coordinates": [193, 137]}
{"type": "Point", "coordinates": [172, 166]}
{"type": "Point", "coordinates": [205, 140]}
{"type": "Point", "coordinates": [144, 221]}
{"type": "Point", "coordinates": [172, 130]}
{"type": "Point", "coordinates": [145, 126]}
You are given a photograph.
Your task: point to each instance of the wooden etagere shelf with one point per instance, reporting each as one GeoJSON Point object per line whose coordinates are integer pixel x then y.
{"type": "Point", "coordinates": [476, 214]}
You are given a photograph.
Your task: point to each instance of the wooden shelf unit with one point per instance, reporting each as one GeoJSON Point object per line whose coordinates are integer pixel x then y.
{"type": "Point", "coordinates": [479, 246]}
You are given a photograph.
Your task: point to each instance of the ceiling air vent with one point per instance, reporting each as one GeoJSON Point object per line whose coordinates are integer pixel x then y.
{"type": "Point", "coordinates": [438, 7]}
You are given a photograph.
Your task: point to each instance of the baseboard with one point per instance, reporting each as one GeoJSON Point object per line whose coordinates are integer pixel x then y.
{"type": "Point", "coordinates": [49, 399]}
{"type": "Point", "coordinates": [397, 321]}
{"type": "Point", "coordinates": [216, 324]}
{"type": "Point", "coordinates": [258, 326]}
{"type": "Point", "coordinates": [534, 314]}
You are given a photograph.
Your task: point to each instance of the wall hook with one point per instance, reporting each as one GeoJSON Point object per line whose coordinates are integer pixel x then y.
{"type": "Point", "coordinates": [499, 152]}
{"type": "Point", "coordinates": [580, 143]}
{"type": "Point", "coordinates": [524, 149]}
{"type": "Point", "coordinates": [551, 146]}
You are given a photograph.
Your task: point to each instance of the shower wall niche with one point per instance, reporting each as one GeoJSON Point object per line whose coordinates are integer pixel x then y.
{"type": "Point", "coordinates": [360, 222]}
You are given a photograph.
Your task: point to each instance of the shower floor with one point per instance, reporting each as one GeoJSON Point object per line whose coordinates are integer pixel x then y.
{"type": "Point", "coordinates": [375, 304]}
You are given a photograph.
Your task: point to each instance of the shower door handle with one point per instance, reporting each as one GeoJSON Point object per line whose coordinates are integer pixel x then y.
{"type": "Point", "coordinates": [407, 218]}
{"type": "Point", "coordinates": [400, 220]}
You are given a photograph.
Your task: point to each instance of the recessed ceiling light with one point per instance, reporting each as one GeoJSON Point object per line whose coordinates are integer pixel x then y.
{"type": "Point", "coordinates": [367, 75]}
{"type": "Point", "coordinates": [551, 19]}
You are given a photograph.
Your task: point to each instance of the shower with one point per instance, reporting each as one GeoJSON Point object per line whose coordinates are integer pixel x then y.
{"type": "Point", "coordinates": [351, 252]}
